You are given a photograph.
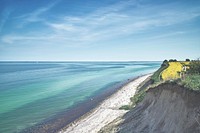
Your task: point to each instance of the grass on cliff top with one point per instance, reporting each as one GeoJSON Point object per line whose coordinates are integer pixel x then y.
{"type": "Point", "coordinates": [192, 82]}
{"type": "Point", "coordinates": [192, 78]}
{"type": "Point", "coordinates": [169, 72]}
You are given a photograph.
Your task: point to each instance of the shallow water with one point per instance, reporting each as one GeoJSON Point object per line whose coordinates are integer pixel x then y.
{"type": "Point", "coordinates": [31, 92]}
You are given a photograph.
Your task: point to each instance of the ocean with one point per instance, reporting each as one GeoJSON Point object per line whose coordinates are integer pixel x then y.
{"type": "Point", "coordinates": [33, 93]}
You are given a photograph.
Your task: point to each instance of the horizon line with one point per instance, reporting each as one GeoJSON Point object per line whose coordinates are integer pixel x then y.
{"type": "Point", "coordinates": [77, 60]}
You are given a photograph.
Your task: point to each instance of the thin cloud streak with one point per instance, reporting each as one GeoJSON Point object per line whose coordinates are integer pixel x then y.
{"type": "Point", "coordinates": [103, 24]}
{"type": "Point", "coordinates": [35, 15]}
{"type": "Point", "coordinates": [5, 15]}
{"type": "Point", "coordinates": [167, 35]}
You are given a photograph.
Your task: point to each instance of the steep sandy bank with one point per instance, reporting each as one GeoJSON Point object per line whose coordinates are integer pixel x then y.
{"type": "Point", "coordinates": [168, 108]}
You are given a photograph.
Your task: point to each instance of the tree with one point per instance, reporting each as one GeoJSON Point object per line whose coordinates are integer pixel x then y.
{"type": "Point", "coordinates": [187, 60]}
{"type": "Point", "coordinates": [172, 60]}
{"type": "Point", "coordinates": [165, 63]}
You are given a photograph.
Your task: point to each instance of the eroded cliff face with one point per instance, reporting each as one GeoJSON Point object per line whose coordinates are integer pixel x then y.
{"type": "Point", "coordinates": [167, 108]}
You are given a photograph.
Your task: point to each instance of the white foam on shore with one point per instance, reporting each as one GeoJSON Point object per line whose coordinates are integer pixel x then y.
{"type": "Point", "coordinates": [107, 111]}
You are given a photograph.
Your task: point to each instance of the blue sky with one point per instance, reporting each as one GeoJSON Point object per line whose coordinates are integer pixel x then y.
{"type": "Point", "coordinates": [99, 30]}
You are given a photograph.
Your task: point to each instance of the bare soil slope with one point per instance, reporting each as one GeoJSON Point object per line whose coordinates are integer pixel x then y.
{"type": "Point", "coordinates": [168, 108]}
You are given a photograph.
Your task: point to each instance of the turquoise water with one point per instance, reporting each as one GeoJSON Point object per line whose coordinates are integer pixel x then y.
{"type": "Point", "coordinates": [32, 92]}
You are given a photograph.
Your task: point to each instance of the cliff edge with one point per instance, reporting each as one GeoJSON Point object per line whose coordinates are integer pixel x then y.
{"type": "Point", "coordinates": [167, 108]}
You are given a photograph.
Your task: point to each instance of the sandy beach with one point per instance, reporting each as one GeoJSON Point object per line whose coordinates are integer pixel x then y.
{"type": "Point", "coordinates": [107, 111]}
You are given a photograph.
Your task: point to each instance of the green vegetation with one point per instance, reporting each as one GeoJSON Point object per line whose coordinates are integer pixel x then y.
{"type": "Point", "coordinates": [192, 79]}
{"type": "Point", "coordinates": [138, 97]}
{"type": "Point", "coordinates": [125, 107]}
{"type": "Point", "coordinates": [174, 71]}
{"type": "Point", "coordinates": [194, 67]}
{"type": "Point", "coordinates": [172, 60]}
{"type": "Point", "coordinates": [156, 77]}
{"type": "Point", "coordinates": [192, 82]}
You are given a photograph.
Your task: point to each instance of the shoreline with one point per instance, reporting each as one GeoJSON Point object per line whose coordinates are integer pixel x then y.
{"type": "Point", "coordinates": [63, 119]}
{"type": "Point", "coordinates": [100, 116]}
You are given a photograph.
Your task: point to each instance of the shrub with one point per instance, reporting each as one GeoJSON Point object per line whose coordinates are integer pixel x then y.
{"type": "Point", "coordinates": [156, 76]}
{"type": "Point", "coordinates": [172, 60]}
{"type": "Point", "coordinates": [172, 71]}
{"type": "Point", "coordinates": [138, 97]}
{"type": "Point", "coordinates": [165, 61]}
{"type": "Point", "coordinates": [194, 67]}
{"type": "Point", "coordinates": [125, 107]}
{"type": "Point", "coordinates": [192, 82]}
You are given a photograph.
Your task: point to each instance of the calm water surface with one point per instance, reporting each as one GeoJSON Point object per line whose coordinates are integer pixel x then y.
{"type": "Point", "coordinates": [31, 92]}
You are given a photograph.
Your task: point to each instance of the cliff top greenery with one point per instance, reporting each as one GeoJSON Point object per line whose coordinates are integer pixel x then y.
{"type": "Point", "coordinates": [186, 73]}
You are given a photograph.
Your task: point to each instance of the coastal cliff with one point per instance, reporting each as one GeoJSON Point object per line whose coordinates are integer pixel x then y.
{"type": "Point", "coordinates": [167, 108]}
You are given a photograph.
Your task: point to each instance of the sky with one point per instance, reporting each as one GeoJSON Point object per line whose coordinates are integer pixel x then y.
{"type": "Point", "coordinates": [99, 30]}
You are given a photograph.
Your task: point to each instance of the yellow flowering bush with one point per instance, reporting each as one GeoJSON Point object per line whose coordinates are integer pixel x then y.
{"type": "Point", "coordinates": [172, 72]}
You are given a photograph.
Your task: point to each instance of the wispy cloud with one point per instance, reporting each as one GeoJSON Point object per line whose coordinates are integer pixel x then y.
{"type": "Point", "coordinates": [5, 15]}
{"type": "Point", "coordinates": [166, 35]}
{"type": "Point", "coordinates": [14, 38]}
{"type": "Point", "coordinates": [110, 23]}
{"type": "Point", "coordinates": [118, 20]}
{"type": "Point", "coordinates": [35, 15]}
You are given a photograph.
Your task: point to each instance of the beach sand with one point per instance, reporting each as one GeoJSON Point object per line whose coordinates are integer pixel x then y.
{"type": "Point", "coordinates": [107, 111]}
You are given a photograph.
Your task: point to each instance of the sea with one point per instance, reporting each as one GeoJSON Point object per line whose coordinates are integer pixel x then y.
{"type": "Point", "coordinates": [34, 94]}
